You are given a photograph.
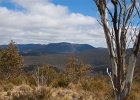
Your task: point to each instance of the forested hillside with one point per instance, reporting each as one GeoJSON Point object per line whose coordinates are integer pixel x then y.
{"type": "Point", "coordinates": [57, 54]}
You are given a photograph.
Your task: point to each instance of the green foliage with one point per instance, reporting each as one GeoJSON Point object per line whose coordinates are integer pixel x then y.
{"type": "Point", "coordinates": [10, 61]}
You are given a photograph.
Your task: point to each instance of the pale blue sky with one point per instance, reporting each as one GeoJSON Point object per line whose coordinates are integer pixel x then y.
{"type": "Point", "coordinates": [85, 7]}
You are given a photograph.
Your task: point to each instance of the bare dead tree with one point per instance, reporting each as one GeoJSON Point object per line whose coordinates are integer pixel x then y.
{"type": "Point", "coordinates": [121, 27]}
{"type": "Point", "coordinates": [37, 76]}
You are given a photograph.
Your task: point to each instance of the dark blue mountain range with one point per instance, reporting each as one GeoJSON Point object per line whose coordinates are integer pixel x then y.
{"type": "Point", "coordinates": [63, 47]}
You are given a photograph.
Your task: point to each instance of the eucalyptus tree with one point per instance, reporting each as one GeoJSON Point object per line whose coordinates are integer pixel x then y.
{"type": "Point", "coordinates": [120, 20]}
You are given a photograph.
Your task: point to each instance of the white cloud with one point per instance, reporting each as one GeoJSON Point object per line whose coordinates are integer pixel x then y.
{"type": "Point", "coordinates": [44, 22]}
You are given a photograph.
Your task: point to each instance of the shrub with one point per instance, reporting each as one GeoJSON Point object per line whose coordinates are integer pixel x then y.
{"type": "Point", "coordinates": [60, 81]}
{"type": "Point", "coordinates": [8, 87]}
{"type": "Point", "coordinates": [42, 93]}
{"type": "Point", "coordinates": [31, 81]}
{"type": "Point", "coordinates": [23, 92]}
{"type": "Point", "coordinates": [76, 70]}
{"type": "Point", "coordinates": [97, 86]}
{"type": "Point", "coordinates": [16, 81]}
{"type": "Point", "coordinates": [45, 74]}
{"type": "Point", "coordinates": [23, 96]}
{"type": "Point", "coordinates": [93, 85]}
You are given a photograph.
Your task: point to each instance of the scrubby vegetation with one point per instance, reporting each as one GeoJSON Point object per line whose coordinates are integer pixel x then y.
{"type": "Point", "coordinates": [75, 82]}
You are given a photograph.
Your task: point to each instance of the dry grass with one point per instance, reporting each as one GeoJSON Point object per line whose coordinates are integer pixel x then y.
{"type": "Point", "coordinates": [135, 93]}
{"type": "Point", "coordinates": [97, 87]}
{"type": "Point", "coordinates": [84, 90]}
{"type": "Point", "coordinates": [25, 92]}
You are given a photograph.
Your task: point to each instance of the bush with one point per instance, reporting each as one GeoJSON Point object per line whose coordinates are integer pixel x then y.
{"type": "Point", "coordinates": [31, 81]}
{"type": "Point", "coordinates": [23, 92]}
{"type": "Point", "coordinates": [8, 87]}
{"type": "Point", "coordinates": [97, 86]}
{"type": "Point", "coordinates": [16, 81]}
{"type": "Point", "coordinates": [24, 96]}
{"type": "Point", "coordinates": [42, 93]}
{"type": "Point", "coordinates": [93, 85]}
{"type": "Point", "coordinates": [45, 74]}
{"type": "Point", "coordinates": [61, 81]}
{"type": "Point", "coordinates": [76, 70]}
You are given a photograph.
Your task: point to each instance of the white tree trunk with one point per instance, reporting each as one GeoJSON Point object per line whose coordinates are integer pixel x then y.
{"type": "Point", "coordinates": [130, 73]}
{"type": "Point", "coordinates": [109, 41]}
{"type": "Point", "coordinates": [120, 80]}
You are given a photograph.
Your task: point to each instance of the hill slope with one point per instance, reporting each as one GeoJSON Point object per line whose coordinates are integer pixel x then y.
{"type": "Point", "coordinates": [52, 48]}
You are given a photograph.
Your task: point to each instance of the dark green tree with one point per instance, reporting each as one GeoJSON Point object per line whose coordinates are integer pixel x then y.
{"type": "Point", "coordinates": [10, 61]}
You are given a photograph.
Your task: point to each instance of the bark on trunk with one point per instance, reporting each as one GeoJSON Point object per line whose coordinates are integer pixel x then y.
{"type": "Point", "coordinates": [120, 97]}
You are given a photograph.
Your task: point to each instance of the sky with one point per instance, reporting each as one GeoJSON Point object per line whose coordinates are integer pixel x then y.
{"type": "Point", "coordinates": [50, 21]}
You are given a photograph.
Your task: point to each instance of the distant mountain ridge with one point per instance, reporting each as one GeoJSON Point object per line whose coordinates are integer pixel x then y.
{"type": "Point", "coordinates": [63, 47]}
